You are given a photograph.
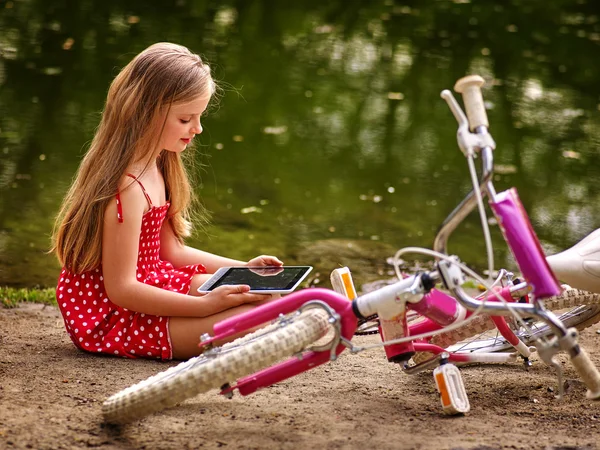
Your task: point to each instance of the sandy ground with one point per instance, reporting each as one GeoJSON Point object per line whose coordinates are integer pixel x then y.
{"type": "Point", "coordinates": [51, 396]}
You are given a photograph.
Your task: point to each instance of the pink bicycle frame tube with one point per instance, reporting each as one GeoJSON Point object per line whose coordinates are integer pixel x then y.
{"type": "Point", "coordinates": [524, 244]}
{"type": "Point", "coordinates": [436, 350]}
{"type": "Point", "coordinates": [428, 325]}
{"type": "Point", "coordinates": [438, 306]}
{"type": "Point", "coordinates": [272, 310]}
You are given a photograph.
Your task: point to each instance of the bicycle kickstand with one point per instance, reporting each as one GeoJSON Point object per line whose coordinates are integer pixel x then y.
{"type": "Point", "coordinates": [547, 351]}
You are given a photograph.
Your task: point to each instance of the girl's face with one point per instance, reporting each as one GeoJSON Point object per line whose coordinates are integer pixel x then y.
{"type": "Point", "coordinates": [182, 124]}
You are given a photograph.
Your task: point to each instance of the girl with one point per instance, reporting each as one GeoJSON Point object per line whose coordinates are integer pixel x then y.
{"type": "Point", "coordinates": [129, 285]}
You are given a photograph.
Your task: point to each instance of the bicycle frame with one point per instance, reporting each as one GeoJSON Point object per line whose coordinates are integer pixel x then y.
{"type": "Point", "coordinates": [415, 292]}
{"type": "Point", "coordinates": [341, 310]}
{"type": "Point", "coordinates": [428, 325]}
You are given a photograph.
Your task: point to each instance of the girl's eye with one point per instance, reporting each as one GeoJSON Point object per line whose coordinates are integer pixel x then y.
{"type": "Point", "coordinates": [184, 121]}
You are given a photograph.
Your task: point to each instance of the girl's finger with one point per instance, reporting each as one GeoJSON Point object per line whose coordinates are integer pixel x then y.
{"type": "Point", "coordinates": [272, 260]}
{"type": "Point", "coordinates": [228, 289]}
{"type": "Point", "coordinates": [253, 298]}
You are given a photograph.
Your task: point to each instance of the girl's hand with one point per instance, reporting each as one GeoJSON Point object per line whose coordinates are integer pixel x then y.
{"type": "Point", "coordinates": [234, 295]}
{"type": "Point", "coordinates": [264, 260]}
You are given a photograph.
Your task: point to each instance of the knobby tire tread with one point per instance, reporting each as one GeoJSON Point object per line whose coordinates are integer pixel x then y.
{"type": "Point", "coordinates": [245, 356]}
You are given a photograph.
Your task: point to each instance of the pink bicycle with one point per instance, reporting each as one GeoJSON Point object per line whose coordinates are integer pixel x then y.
{"type": "Point", "coordinates": [420, 326]}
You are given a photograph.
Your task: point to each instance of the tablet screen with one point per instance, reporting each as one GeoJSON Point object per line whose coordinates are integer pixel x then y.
{"type": "Point", "coordinates": [264, 278]}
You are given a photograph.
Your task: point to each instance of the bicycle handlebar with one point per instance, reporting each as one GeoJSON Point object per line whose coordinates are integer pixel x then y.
{"type": "Point", "coordinates": [375, 302]}
{"type": "Point", "coordinates": [588, 373]}
{"type": "Point", "coordinates": [470, 88]}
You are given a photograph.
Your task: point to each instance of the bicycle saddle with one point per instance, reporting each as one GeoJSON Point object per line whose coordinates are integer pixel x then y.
{"type": "Point", "coordinates": [579, 266]}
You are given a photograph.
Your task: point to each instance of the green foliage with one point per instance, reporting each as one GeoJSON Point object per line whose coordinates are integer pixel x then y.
{"type": "Point", "coordinates": [470, 284]}
{"type": "Point", "coordinates": [11, 297]}
{"type": "Point", "coordinates": [330, 125]}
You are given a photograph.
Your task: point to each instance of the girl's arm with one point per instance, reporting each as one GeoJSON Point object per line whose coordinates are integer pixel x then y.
{"type": "Point", "coordinates": [178, 254]}
{"type": "Point", "coordinates": [119, 262]}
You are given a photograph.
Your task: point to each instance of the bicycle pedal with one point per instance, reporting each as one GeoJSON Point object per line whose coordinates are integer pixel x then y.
{"type": "Point", "coordinates": [450, 385]}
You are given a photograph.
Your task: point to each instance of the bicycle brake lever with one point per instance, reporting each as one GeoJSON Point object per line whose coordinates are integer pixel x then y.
{"type": "Point", "coordinates": [467, 141]}
{"type": "Point", "coordinates": [459, 115]}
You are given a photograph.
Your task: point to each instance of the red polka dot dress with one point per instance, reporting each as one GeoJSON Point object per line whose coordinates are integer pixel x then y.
{"type": "Point", "coordinates": [95, 324]}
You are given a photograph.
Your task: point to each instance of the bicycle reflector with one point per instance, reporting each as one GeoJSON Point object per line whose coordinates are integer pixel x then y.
{"type": "Point", "coordinates": [342, 283]}
{"type": "Point", "coordinates": [451, 388]}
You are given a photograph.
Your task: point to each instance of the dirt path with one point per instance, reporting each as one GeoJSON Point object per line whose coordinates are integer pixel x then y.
{"type": "Point", "coordinates": [51, 395]}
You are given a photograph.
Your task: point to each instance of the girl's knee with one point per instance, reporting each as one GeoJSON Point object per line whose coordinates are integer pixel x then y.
{"type": "Point", "coordinates": [197, 281]}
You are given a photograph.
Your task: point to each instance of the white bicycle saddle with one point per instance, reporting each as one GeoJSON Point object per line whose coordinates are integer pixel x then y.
{"type": "Point", "coordinates": [579, 266]}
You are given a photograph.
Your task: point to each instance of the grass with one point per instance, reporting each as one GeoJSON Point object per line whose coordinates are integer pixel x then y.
{"type": "Point", "coordinates": [11, 297]}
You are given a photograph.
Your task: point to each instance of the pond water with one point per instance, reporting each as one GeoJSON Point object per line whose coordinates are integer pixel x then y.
{"type": "Point", "coordinates": [330, 144]}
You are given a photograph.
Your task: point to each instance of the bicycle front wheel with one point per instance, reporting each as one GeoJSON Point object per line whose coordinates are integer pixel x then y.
{"type": "Point", "coordinates": [236, 359]}
{"type": "Point", "coordinates": [574, 307]}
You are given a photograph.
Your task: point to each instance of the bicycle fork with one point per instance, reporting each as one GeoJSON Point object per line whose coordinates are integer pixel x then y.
{"type": "Point", "coordinates": [341, 317]}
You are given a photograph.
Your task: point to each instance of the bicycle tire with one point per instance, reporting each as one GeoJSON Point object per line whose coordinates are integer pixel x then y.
{"type": "Point", "coordinates": [582, 311]}
{"type": "Point", "coordinates": [236, 359]}
{"type": "Point", "coordinates": [368, 326]}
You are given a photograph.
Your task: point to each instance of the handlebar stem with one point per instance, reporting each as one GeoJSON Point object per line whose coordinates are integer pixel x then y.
{"type": "Point", "coordinates": [386, 302]}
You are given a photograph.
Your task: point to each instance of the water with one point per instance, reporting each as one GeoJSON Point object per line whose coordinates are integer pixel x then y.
{"type": "Point", "coordinates": [330, 144]}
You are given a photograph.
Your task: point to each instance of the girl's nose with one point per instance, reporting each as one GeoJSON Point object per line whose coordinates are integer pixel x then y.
{"type": "Point", "coordinates": [197, 128]}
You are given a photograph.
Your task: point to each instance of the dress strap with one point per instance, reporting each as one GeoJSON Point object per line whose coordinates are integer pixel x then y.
{"type": "Point", "coordinates": [143, 190]}
{"type": "Point", "coordinates": [118, 198]}
{"type": "Point", "coordinates": [119, 208]}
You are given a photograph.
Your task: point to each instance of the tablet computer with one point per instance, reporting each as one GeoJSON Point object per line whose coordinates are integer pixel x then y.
{"type": "Point", "coordinates": [262, 280]}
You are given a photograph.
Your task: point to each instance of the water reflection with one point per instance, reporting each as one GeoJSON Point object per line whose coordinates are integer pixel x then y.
{"type": "Point", "coordinates": [330, 135]}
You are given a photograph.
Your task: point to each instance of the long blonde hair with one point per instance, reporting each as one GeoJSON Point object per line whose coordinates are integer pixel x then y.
{"type": "Point", "coordinates": [132, 122]}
